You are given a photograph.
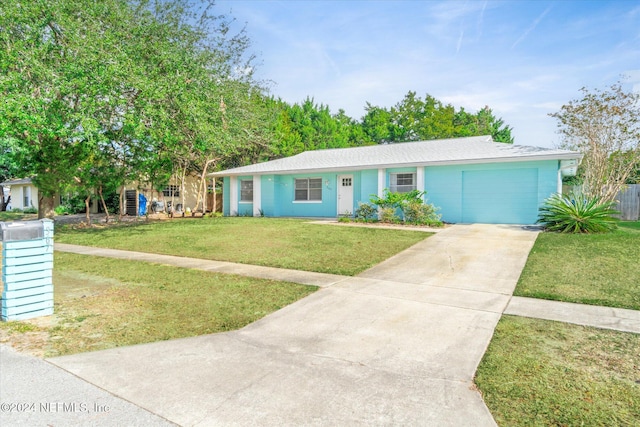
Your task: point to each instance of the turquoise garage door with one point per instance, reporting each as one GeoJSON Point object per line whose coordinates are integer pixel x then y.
{"type": "Point", "coordinates": [503, 196]}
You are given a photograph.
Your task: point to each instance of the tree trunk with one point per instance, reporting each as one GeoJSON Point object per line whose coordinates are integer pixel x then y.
{"type": "Point", "coordinates": [122, 190]}
{"type": "Point", "coordinates": [87, 213]}
{"type": "Point", "coordinates": [45, 206]}
{"type": "Point", "coordinates": [202, 190]}
{"type": "Point", "coordinates": [104, 205]}
{"type": "Point", "coordinates": [3, 202]}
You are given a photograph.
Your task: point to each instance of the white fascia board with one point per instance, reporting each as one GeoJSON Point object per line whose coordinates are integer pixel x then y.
{"type": "Point", "coordinates": [563, 156]}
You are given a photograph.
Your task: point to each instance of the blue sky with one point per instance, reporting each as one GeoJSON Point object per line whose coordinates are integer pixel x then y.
{"type": "Point", "coordinates": [524, 59]}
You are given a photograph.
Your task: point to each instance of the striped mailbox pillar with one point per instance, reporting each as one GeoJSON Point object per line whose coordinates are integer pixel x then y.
{"type": "Point", "coordinates": [27, 269]}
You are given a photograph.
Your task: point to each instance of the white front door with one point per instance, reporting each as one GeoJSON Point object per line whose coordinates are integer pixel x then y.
{"type": "Point", "coordinates": [345, 195]}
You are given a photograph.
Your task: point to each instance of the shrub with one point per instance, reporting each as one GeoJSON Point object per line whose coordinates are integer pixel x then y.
{"type": "Point", "coordinates": [62, 210]}
{"type": "Point", "coordinates": [414, 209]}
{"type": "Point", "coordinates": [421, 214]}
{"type": "Point", "coordinates": [574, 213]}
{"type": "Point", "coordinates": [366, 212]}
{"type": "Point", "coordinates": [388, 214]}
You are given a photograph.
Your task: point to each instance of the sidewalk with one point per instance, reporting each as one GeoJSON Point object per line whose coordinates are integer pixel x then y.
{"type": "Point", "coordinates": [34, 392]}
{"type": "Point", "coordinates": [619, 319]}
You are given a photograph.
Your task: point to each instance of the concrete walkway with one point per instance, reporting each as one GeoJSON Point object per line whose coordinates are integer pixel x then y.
{"type": "Point", "coordinates": [397, 345]}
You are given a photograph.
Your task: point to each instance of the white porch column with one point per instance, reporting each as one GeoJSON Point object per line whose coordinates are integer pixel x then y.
{"type": "Point", "coordinates": [233, 196]}
{"type": "Point", "coordinates": [381, 181]}
{"type": "Point", "coordinates": [559, 186]}
{"type": "Point", "coordinates": [420, 179]}
{"type": "Point", "coordinates": [257, 195]}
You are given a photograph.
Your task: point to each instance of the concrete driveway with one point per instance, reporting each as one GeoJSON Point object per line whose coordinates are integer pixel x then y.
{"type": "Point", "coordinates": [396, 345]}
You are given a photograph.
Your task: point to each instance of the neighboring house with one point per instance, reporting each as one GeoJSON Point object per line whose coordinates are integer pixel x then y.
{"type": "Point", "coordinates": [24, 194]}
{"type": "Point", "coordinates": [470, 179]}
{"type": "Point", "coordinates": [172, 195]}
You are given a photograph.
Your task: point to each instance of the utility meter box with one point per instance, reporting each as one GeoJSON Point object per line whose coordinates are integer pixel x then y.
{"type": "Point", "coordinates": [27, 269]}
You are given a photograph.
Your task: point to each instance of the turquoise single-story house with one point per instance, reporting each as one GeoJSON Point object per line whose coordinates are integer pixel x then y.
{"type": "Point", "coordinates": [471, 180]}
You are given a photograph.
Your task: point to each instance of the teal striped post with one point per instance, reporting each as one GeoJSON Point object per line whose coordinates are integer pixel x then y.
{"type": "Point", "coordinates": [27, 275]}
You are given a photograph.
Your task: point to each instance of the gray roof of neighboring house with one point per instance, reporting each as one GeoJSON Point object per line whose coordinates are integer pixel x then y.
{"type": "Point", "coordinates": [16, 182]}
{"type": "Point", "coordinates": [477, 149]}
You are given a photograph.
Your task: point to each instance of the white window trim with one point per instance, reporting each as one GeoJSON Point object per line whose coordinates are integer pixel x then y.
{"type": "Point", "coordinates": [394, 176]}
{"type": "Point", "coordinates": [246, 202]}
{"type": "Point", "coordinates": [307, 201]}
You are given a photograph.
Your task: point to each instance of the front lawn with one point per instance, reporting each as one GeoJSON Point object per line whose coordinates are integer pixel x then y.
{"type": "Point", "coordinates": [17, 216]}
{"type": "Point", "coordinates": [284, 243]}
{"type": "Point", "coordinates": [102, 303]}
{"type": "Point", "coordinates": [543, 373]}
{"type": "Point", "coordinates": [598, 269]}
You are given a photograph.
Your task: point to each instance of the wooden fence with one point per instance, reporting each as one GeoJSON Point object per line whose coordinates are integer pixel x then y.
{"type": "Point", "coordinates": [628, 203]}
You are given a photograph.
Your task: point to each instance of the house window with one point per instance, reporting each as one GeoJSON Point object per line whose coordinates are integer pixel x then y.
{"type": "Point", "coordinates": [171, 191]}
{"type": "Point", "coordinates": [402, 182]}
{"type": "Point", "coordinates": [246, 190]}
{"type": "Point", "coordinates": [308, 189]}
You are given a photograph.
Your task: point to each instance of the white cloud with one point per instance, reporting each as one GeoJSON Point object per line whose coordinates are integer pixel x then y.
{"type": "Point", "coordinates": [532, 27]}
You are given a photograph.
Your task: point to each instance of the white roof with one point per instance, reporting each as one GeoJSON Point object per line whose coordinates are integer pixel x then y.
{"type": "Point", "coordinates": [477, 149]}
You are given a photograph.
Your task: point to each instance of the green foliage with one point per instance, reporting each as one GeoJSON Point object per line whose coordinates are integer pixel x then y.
{"type": "Point", "coordinates": [415, 119]}
{"type": "Point", "coordinates": [62, 210]}
{"type": "Point", "coordinates": [412, 206]}
{"type": "Point", "coordinates": [175, 94]}
{"type": "Point", "coordinates": [366, 212]}
{"type": "Point", "coordinates": [575, 213]}
{"type": "Point", "coordinates": [389, 215]}
{"type": "Point", "coordinates": [309, 126]}
{"type": "Point", "coordinates": [421, 214]}
{"type": "Point", "coordinates": [605, 127]}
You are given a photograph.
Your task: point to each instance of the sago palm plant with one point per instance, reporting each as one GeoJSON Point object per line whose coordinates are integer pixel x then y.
{"type": "Point", "coordinates": [574, 213]}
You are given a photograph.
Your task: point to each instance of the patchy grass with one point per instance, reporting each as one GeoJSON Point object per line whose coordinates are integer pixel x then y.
{"type": "Point", "coordinates": [597, 269]}
{"type": "Point", "coordinates": [16, 216]}
{"type": "Point", "coordinates": [284, 243]}
{"type": "Point", "coordinates": [103, 303]}
{"type": "Point", "coordinates": [543, 373]}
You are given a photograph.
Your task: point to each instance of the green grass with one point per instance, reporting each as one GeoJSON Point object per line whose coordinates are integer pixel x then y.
{"type": "Point", "coordinates": [103, 303]}
{"type": "Point", "coordinates": [284, 243]}
{"type": "Point", "coordinates": [598, 269]}
{"type": "Point", "coordinates": [543, 373]}
{"type": "Point", "coordinates": [16, 216]}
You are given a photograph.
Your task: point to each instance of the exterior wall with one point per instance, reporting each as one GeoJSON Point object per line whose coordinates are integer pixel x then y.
{"type": "Point", "coordinates": [226, 199]}
{"type": "Point", "coordinates": [190, 192]}
{"type": "Point", "coordinates": [18, 192]}
{"type": "Point", "coordinates": [268, 195]}
{"type": "Point", "coordinates": [368, 186]}
{"type": "Point", "coordinates": [284, 192]}
{"type": "Point", "coordinates": [244, 208]}
{"type": "Point", "coordinates": [443, 184]}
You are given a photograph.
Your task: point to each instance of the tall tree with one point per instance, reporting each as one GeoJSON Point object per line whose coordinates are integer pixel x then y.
{"type": "Point", "coordinates": [148, 88]}
{"type": "Point", "coordinates": [8, 170]}
{"type": "Point", "coordinates": [605, 127]}
{"type": "Point", "coordinates": [59, 91]}
{"type": "Point", "coordinates": [415, 119]}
